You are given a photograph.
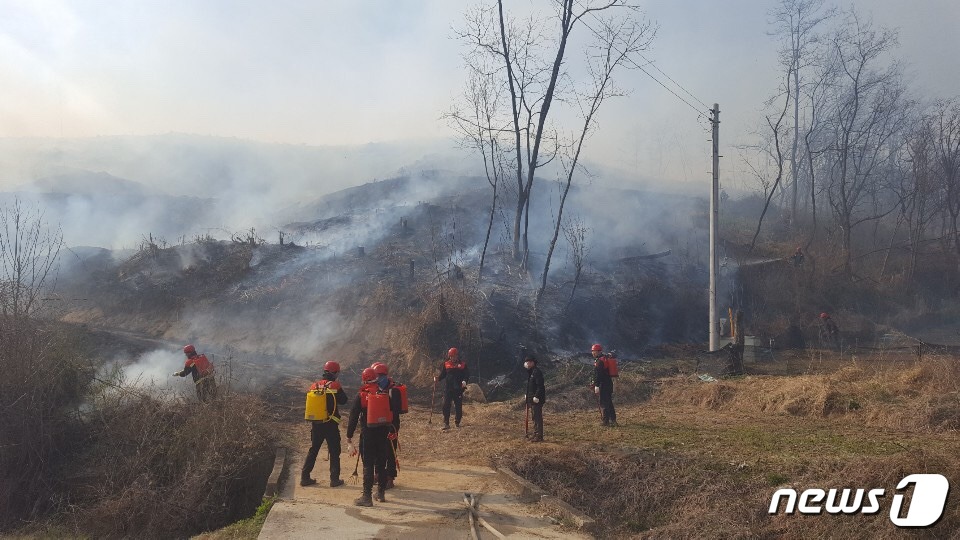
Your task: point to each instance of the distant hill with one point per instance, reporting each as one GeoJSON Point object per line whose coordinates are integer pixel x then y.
{"type": "Point", "coordinates": [99, 209]}
{"type": "Point", "coordinates": [213, 167]}
{"type": "Point", "coordinates": [81, 182]}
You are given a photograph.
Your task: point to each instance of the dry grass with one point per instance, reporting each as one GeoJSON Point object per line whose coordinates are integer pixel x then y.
{"type": "Point", "coordinates": [703, 459]}
{"type": "Point", "coordinates": [83, 454]}
{"type": "Point", "coordinates": [159, 468]}
{"type": "Point", "coordinates": [918, 396]}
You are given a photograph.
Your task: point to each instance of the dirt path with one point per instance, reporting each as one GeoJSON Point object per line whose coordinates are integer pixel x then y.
{"type": "Point", "coordinates": [436, 470]}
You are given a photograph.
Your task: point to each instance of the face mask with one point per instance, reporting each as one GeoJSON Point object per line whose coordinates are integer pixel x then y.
{"type": "Point", "coordinates": [383, 382]}
{"type": "Point", "coordinates": [528, 365]}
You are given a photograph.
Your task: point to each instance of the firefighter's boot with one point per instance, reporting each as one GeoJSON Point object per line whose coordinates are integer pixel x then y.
{"type": "Point", "coordinates": [364, 500]}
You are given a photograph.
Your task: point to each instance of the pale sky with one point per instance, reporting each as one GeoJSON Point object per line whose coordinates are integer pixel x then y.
{"type": "Point", "coordinates": [336, 72]}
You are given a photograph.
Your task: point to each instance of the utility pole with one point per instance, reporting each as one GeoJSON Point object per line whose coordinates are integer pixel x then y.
{"type": "Point", "coordinates": [714, 222]}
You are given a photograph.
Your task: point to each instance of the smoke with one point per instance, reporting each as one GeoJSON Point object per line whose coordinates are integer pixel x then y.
{"type": "Point", "coordinates": [155, 368]}
{"type": "Point", "coordinates": [113, 191]}
{"type": "Point", "coordinates": [149, 373]}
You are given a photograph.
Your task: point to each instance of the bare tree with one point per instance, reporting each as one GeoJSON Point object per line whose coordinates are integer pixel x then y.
{"type": "Point", "coordinates": [476, 118]}
{"type": "Point", "coordinates": [618, 42]}
{"type": "Point", "coordinates": [917, 189]}
{"type": "Point", "coordinates": [776, 152]}
{"type": "Point", "coordinates": [575, 232]}
{"type": "Point", "coordinates": [868, 110]}
{"type": "Point", "coordinates": [533, 69]}
{"type": "Point", "coordinates": [28, 252]}
{"type": "Point", "coordinates": [817, 95]}
{"type": "Point", "coordinates": [944, 123]}
{"type": "Point", "coordinates": [796, 22]}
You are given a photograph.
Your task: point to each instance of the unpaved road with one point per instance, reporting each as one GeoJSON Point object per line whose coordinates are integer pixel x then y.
{"type": "Point", "coordinates": [427, 501]}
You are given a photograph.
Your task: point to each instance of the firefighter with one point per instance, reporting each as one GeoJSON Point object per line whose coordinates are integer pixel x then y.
{"type": "Point", "coordinates": [326, 430]}
{"type": "Point", "coordinates": [374, 404]}
{"type": "Point", "coordinates": [603, 385]}
{"type": "Point", "coordinates": [202, 370]}
{"type": "Point", "coordinates": [797, 258]}
{"type": "Point", "coordinates": [829, 332]}
{"type": "Point", "coordinates": [383, 372]}
{"type": "Point", "coordinates": [536, 395]}
{"type": "Point", "coordinates": [454, 370]}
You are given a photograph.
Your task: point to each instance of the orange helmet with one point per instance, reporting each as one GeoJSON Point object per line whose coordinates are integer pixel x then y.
{"type": "Point", "coordinates": [189, 349]}
{"type": "Point", "coordinates": [368, 375]}
{"type": "Point", "coordinates": [824, 315]}
{"type": "Point", "coordinates": [452, 352]}
{"type": "Point", "coordinates": [332, 367]}
{"type": "Point", "coordinates": [596, 347]}
{"type": "Point", "coordinates": [380, 368]}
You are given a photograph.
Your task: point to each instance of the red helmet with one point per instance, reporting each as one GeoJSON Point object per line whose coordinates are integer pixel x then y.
{"type": "Point", "coordinates": [452, 352]}
{"type": "Point", "coordinates": [332, 367]}
{"type": "Point", "coordinates": [380, 368]}
{"type": "Point", "coordinates": [368, 375]}
{"type": "Point", "coordinates": [596, 347]}
{"type": "Point", "coordinates": [188, 350]}
{"type": "Point", "coordinates": [824, 315]}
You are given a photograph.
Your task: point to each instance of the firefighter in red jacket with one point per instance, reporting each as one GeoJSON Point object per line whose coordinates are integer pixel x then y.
{"type": "Point", "coordinates": [375, 403]}
{"type": "Point", "coordinates": [202, 370]}
{"type": "Point", "coordinates": [326, 430]}
{"type": "Point", "coordinates": [382, 371]}
{"type": "Point", "coordinates": [455, 371]}
{"type": "Point", "coordinates": [603, 385]}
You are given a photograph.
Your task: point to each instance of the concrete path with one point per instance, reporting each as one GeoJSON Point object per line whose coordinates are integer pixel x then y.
{"type": "Point", "coordinates": [427, 503]}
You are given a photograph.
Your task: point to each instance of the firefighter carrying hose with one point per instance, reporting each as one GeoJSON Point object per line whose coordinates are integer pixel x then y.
{"type": "Point", "coordinates": [377, 412]}
{"type": "Point", "coordinates": [202, 370]}
{"type": "Point", "coordinates": [603, 384]}
{"type": "Point", "coordinates": [325, 423]}
{"type": "Point", "coordinates": [454, 370]}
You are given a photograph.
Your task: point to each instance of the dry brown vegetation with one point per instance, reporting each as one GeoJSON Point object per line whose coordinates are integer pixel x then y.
{"type": "Point", "coordinates": [88, 454]}
{"type": "Point", "coordinates": [697, 459]}
{"type": "Point", "coordinates": [161, 468]}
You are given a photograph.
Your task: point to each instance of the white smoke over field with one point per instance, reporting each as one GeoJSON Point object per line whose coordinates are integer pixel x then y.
{"type": "Point", "coordinates": [149, 374]}
{"type": "Point", "coordinates": [155, 369]}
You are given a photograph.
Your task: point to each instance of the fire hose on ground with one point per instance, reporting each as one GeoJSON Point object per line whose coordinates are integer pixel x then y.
{"type": "Point", "coordinates": [472, 501]}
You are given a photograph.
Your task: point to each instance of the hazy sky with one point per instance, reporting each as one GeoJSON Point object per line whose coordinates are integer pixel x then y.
{"type": "Point", "coordinates": [354, 71]}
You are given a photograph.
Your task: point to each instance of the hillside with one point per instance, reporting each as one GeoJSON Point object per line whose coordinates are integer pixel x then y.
{"type": "Point", "coordinates": [388, 272]}
{"type": "Point", "coordinates": [316, 296]}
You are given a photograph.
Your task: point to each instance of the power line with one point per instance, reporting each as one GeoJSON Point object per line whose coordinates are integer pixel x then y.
{"type": "Point", "coordinates": [648, 74]}
{"type": "Point", "coordinates": [673, 81]}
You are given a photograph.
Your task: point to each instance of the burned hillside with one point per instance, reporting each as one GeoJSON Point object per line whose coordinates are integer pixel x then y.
{"type": "Point", "coordinates": [385, 278]}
